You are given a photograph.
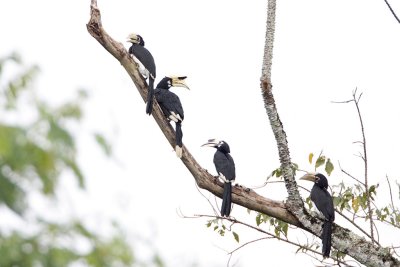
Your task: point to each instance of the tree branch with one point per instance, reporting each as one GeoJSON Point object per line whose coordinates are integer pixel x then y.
{"type": "Point", "coordinates": [294, 200]}
{"type": "Point", "coordinates": [364, 143]}
{"type": "Point", "coordinates": [343, 239]}
{"type": "Point", "coordinates": [391, 10]}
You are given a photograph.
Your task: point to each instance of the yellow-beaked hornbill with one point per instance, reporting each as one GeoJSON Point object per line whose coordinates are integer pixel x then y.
{"type": "Point", "coordinates": [225, 167]}
{"type": "Point", "coordinates": [324, 203]}
{"type": "Point", "coordinates": [171, 106]}
{"type": "Point", "coordinates": [147, 67]}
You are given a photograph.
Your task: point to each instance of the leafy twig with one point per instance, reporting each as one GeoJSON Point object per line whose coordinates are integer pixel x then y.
{"type": "Point", "coordinates": [270, 235]}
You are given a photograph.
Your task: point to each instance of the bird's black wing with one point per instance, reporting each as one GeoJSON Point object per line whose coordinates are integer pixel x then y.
{"type": "Point", "coordinates": [324, 202]}
{"type": "Point", "coordinates": [169, 102]}
{"type": "Point", "coordinates": [145, 57]}
{"type": "Point", "coordinates": [224, 164]}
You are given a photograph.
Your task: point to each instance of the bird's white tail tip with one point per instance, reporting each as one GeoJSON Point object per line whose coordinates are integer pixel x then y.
{"type": "Point", "coordinates": [178, 151]}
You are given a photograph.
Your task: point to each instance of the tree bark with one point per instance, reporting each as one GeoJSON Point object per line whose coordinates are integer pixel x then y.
{"type": "Point", "coordinates": [293, 211]}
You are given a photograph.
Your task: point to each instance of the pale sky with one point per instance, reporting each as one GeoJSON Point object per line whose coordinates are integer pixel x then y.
{"type": "Point", "coordinates": [323, 50]}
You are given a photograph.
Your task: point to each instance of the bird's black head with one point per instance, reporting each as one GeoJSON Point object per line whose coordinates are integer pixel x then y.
{"type": "Point", "coordinates": [219, 145]}
{"type": "Point", "coordinates": [135, 39]}
{"type": "Point", "coordinates": [321, 180]}
{"type": "Point", "coordinates": [173, 81]}
{"type": "Point", "coordinates": [318, 178]}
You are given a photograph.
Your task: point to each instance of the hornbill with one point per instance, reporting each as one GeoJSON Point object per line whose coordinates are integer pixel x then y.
{"type": "Point", "coordinates": [225, 167]}
{"type": "Point", "coordinates": [324, 203]}
{"type": "Point", "coordinates": [171, 105]}
{"type": "Point", "coordinates": [147, 67]}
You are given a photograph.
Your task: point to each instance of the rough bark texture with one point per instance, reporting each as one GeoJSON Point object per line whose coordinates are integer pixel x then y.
{"type": "Point", "coordinates": [292, 212]}
{"type": "Point", "coordinates": [295, 202]}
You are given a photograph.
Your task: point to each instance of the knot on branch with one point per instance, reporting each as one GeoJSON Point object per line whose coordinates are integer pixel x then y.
{"type": "Point", "coordinates": [266, 86]}
{"type": "Point", "coordinates": [94, 25]}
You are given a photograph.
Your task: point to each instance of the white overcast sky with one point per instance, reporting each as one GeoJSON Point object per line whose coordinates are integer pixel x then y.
{"type": "Point", "coordinates": [323, 50]}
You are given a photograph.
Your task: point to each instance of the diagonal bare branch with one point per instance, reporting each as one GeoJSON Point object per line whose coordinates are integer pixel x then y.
{"type": "Point", "coordinates": [391, 10]}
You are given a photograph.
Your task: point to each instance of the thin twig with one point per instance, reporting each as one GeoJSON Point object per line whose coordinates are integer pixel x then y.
{"type": "Point", "coordinates": [233, 220]}
{"type": "Point", "coordinates": [348, 174]}
{"type": "Point", "coordinates": [391, 10]}
{"type": "Point", "coordinates": [208, 200]}
{"type": "Point", "coordinates": [356, 225]}
{"type": "Point", "coordinates": [275, 182]}
{"type": "Point", "coordinates": [342, 102]}
{"type": "Point", "coordinates": [390, 190]}
{"type": "Point", "coordinates": [249, 242]}
{"type": "Point", "coordinates": [365, 159]}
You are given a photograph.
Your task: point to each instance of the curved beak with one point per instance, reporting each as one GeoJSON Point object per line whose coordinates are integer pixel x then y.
{"type": "Point", "coordinates": [179, 81]}
{"type": "Point", "coordinates": [132, 38]}
{"type": "Point", "coordinates": [211, 143]}
{"type": "Point", "coordinates": [309, 177]}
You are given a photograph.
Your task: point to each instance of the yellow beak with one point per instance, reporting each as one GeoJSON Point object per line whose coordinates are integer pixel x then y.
{"type": "Point", "coordinates": [179, 81]}
{"type": "Point", "coordinates": [132, 38]}
{"type": "Point", "coordinates": [309, 177]}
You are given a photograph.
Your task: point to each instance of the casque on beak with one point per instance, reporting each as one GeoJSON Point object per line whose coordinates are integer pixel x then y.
{"type": "Point", "coordinates": [132, 38]}
{"type": "Point", "coordinates": [179, 81]}
{"type": "Point", "coordinates": [211, 143]}
{"type": "Point", "coordinates": [309, 177]}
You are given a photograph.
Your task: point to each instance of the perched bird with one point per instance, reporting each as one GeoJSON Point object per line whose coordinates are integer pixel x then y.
{"type": "Point", "coordinates": [171, 106]}
{"type": "Point", "coordinates": [324, 203]}
{"type": "Point", "coordinates": [147, 67]}
{"type": "Point", "coordinates": [225, 167]}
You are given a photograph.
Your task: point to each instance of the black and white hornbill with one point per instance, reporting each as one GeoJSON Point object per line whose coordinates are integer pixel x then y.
{"type": "Point", "coordinates": [171, 105]}
{"type": "Point", "coordinates": [147, 67]}
{"type": "Point", "coordinates": [324, 203]}
{"type": "Point", "coordinates": [225, 167]}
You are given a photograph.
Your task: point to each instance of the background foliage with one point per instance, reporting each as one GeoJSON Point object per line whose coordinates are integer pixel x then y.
{"type": "Point", "coordinates": [37, 146]}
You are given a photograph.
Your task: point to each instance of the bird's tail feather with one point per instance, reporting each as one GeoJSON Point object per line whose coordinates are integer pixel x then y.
{"type": "Point", "coordinates": [150, 96]}
{"type": "Point", "coordinates": [178, 139]}
{"type": "Point", "coordinates": [226, 200]}
{"type": "Point", "coordinates": [326, 238]}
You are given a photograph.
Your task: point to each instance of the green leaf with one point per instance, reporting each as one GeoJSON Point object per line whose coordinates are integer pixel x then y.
{"type": "Point", "coordinates": [372, 189]}
{"type": "Point", "coordinates": [277, 232]}
{"type": "Point", "coordinates": [277, 172]}
{"type": "Point", "coordinates": [320, 161]}
{"type": "Point", "coordinates": [355, 205]}
{"type": "Point", "coordinates": [221, 232]}
{"type": "Point", "coordinates": [285, 228]}
{"type": "Point", "coordinates": [236, 236]}
{"type": "Point", "coordinates": [76, 170]}
{"type": "Point", "coordinates": [104, 144]}
{"type": "Point", "coordinates": [258, 219]}
{"type": "Point", "coordinates": [310, 157]}
{"type": "Point", "coordinates": [69, 110]}
{"type": "Point", "coordinates": [329, 167]}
